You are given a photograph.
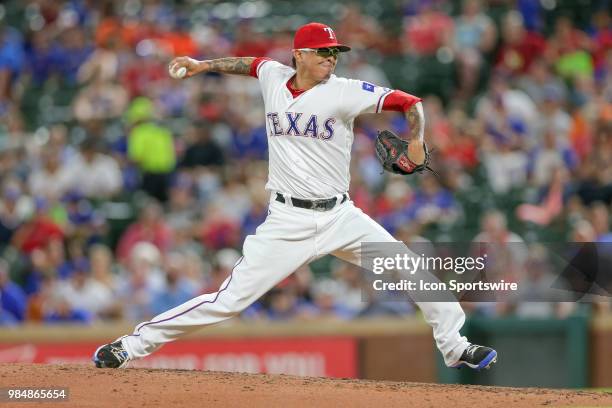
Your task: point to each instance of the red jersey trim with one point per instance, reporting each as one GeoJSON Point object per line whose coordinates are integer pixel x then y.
{"type": "Point", "coordinates": [294, 92]}
{"type": "Point", "coordinates": [398, 101]}
{"type": "Point", "coordinates": [380, 104]}
{"type": "Point", "coordinates": [256, 64]}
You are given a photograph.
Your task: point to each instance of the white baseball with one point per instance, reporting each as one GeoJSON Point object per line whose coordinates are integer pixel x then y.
{"type": "Point", "coordinates": [178, 73]}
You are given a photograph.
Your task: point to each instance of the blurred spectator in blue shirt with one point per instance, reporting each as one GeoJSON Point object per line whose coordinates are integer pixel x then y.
{"type": "Point", "coordinates": [73, 52]}
{"type": "Point", "coordinates": [13, 299]}
{"type": "Point", "coordinates": [42, 56]}
{"type": "Point", "coordinates": [284, 304]}
{"type": "Point", "coordinates": [255, 217]}
{"type": "Point", "coordinates": [532, 13]}
{"type": "Point", "coordinates": [11, 60]}
{"type": "Point", "coordinates": [60, 312]}
{"type": "Point", "coordinates": [178, 290]}
{"type": "Point", "coordinates": [433, 203]}
{"type": "Point", "coordinates": [250, 143]}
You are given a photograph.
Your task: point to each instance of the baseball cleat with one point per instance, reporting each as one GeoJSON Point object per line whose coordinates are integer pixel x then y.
{"type": "Point", "coordinates": [477, 357]}
{"type": "Point", "coordinates": [112, 355]}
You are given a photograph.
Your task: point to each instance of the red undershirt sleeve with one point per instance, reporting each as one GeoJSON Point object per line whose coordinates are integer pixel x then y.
{"type": "Point", "coordinates": [255, 65]}
{"type": "Point", "coordinates": [399, 101]}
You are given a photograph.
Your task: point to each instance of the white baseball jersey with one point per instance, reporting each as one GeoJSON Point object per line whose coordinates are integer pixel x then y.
{"type": "Point", "coordinates": [310, 136]}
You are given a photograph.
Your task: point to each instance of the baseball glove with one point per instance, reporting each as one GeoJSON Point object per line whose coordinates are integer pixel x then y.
{"type": "Point", "coordinates": [392, 152]}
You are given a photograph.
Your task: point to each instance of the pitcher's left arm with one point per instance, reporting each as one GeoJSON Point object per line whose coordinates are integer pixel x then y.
{"type": "Point", "coordinates": [412, 107]}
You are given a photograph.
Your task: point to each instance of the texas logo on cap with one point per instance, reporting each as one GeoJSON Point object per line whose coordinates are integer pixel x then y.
{"type": "Point", "coordinates": [317, 35]}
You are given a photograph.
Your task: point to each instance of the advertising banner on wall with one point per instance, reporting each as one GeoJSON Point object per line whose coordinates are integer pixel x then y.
{"type": "Point", "coordinates": [321, 357]}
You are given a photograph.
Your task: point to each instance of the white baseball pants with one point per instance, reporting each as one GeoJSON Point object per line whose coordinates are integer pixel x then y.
{"type": "Point", "coordinates": [289, 238]}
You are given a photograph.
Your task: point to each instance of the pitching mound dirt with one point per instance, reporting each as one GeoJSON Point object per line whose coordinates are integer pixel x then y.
{"type": "Point", "coordinates": [138, 388]}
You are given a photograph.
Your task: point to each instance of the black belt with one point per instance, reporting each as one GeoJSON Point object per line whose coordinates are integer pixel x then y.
{"type": "Point", "coordinates": [324, 204]}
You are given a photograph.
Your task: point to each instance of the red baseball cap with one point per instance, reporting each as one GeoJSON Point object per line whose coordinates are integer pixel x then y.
{"type": "Point", "coordinates": [317, 35]}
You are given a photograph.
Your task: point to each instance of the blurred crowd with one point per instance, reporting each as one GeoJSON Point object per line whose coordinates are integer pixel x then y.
{"type": "Point", "coordinates": [124, 192]}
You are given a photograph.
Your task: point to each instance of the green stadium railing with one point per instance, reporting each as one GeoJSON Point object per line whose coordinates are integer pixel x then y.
{"type": "Point", "coordinates": [533, 352]}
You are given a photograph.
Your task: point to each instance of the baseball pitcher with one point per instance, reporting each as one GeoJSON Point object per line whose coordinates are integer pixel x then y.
{"type": "Point", "coordinates": [309, 120]}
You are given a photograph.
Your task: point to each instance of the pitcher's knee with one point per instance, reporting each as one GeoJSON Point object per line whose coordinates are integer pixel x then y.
{"type": "Point", "coordinates": [233, 305]}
